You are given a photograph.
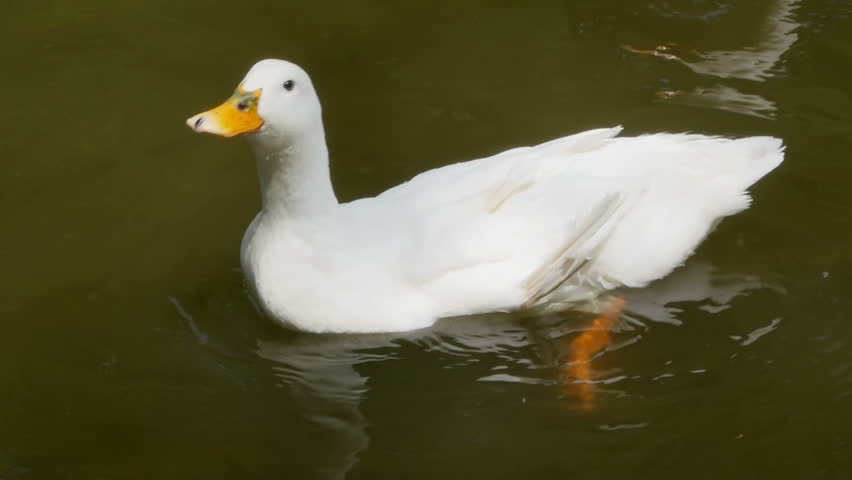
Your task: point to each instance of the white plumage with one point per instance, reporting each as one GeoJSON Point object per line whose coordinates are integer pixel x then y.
{"type": "Point", "coordinates": [544, 226]}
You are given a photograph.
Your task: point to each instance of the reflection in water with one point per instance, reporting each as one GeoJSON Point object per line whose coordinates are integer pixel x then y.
{"type": "Point", "coordinates": [321, 371]}
{"type": "Point", "coordinates": [320, 374]}
{"type": "Point", "coordinates": [757, 61]}
{"type": "Point", "coordinates": [755, 335]}
{"type": "Point", "coordinates": [696, 282]}
{"type": "Point", "coordinates": [754, 62]}
{"type": "Point", "coordinates": [723, 98]}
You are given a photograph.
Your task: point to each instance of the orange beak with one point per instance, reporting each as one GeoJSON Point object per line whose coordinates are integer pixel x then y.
{"type": "Point", "coordinates": [236, 116]}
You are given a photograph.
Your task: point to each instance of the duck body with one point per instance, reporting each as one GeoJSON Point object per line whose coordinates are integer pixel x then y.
{"type": "Point", "coordinates": [548, 226]}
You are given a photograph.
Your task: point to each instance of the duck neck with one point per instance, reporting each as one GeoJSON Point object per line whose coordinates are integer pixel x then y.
{"type": "Point", "coordinates": [294, 174]}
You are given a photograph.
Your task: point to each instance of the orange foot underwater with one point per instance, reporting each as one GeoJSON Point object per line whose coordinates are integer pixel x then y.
{"type": "Point", "coordinates": [585, 347]}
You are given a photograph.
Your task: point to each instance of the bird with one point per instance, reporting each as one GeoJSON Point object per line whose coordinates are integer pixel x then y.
{"type": "Point", "coordinates": [536, 228]}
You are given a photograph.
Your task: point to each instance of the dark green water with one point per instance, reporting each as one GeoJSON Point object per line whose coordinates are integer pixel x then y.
{"type": "Point", "coordinates": [130, 350]}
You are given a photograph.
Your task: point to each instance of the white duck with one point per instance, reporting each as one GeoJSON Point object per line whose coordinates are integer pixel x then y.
{"type": "Point", "coordinates": [545, 226]}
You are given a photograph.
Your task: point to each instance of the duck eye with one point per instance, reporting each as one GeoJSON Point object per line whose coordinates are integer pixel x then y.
{"type": "Point", "coordinates": [289, 84]}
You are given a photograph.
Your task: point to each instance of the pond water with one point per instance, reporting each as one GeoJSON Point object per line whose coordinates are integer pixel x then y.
{"type": "Point", "coordinates": [130, 348]}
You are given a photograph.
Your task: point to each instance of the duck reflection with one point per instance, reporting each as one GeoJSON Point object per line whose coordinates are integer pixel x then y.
{"type": "Point", "coordinates": [722, 97]}
{"type": "Point", "coordinates": [322, 374]}
{"type": "Point", "coordinates": [756, 62]}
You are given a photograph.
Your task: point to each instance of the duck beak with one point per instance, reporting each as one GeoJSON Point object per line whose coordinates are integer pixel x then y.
{"type": "Point", "coordinates": [236, 116]}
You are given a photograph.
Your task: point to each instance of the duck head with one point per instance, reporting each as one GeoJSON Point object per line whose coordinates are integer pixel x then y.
{"type": "Point", "coordinates": [276, 100]}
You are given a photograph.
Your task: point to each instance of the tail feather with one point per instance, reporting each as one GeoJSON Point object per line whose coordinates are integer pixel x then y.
{"type": "Point", "coordinates": [760, 154]}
